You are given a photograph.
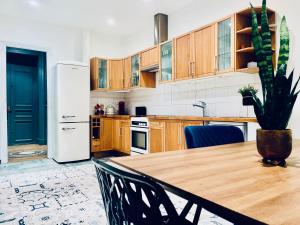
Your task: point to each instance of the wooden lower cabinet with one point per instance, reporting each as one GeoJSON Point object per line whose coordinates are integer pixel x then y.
{"type": "Point", "coordinates": [121, 136]}
{"type": "Point", "coordinates": [157, 136]}
{"type": "Point", "coordinates": [106, 129]}
{"type": "Point", "coordinates": [173, 136]}
{"type": "Point", "coordinates": [125, 137]}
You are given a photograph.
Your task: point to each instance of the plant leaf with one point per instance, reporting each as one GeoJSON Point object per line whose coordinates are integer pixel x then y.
{"type": "Point", "coordinates": [267, 46]}
{"type": "Point", "coordinates": [284, 48]}
{"type": "Point", "coordinates": [259, 52]}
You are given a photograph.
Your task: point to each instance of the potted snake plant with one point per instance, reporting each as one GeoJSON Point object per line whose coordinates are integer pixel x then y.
{"type": "Point", "coordinates": [273, 112]}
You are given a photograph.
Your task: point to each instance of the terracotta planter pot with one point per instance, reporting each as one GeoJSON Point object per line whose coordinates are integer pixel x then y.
{"type": "Point", "coordinates": [274, 145]}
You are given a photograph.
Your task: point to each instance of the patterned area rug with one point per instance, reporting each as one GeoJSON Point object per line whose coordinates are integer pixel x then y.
{"type": "Point", "coordinates": [61, 196]}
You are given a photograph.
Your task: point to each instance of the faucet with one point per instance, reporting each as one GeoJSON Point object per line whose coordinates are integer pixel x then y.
{"type": "Point", "coordinates": [201, 105]}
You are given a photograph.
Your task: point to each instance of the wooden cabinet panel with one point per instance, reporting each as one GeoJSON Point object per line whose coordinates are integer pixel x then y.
{"type": "Point", "coordinates": [182, 57]}
{"type": "Point", "coordinates": [173, 136]}
{"type": "Point", "coordinates": [149, 57]}
{"type": "Point", "coordinates": [186, 124]}
{"type": "Point", "coordinates": [157, 137]}
{"type": "Point", "coordinates": [127, 72]}
{"type": "Point", "coordinates": [116, 135]}
{"type": "Point", "coordinates": [204, 51]}
{"type": "Point", "coordinates": [125, 137]}
{"type": "Point", "coordinates": [116, 74]}
{"type": "Point", "coordinates": [106, 134]}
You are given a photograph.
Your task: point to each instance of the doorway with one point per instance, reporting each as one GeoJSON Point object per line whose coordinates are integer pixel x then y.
{"type": "Point", "coordinates": [26, 104]}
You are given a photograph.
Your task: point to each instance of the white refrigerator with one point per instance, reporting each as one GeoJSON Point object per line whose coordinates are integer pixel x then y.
{"type": "Point", "coordinates": [72, 97]}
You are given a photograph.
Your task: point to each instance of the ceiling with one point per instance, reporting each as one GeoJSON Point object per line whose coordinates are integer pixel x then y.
{"type": "Point", "coordinates": [114, 17]}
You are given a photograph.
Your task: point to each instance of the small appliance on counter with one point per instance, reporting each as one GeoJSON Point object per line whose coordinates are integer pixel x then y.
{"type": "Point", "coordinates": [110, 110]}
{"type": "Point", "coordinates": [122, 108]}
{"type": "Point", "coordinates": [141, 111]}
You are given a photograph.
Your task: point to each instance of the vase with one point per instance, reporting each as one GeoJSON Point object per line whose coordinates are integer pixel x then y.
{"type": "Point", "coordinates": [275, 146]}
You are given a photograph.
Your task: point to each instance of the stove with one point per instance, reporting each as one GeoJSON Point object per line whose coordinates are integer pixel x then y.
{"type": "Point", "coordinates": [139, 130]}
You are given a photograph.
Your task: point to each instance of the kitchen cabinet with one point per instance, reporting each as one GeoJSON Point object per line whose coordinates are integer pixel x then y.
{"type": "Point", "coordinates": [149, 58]}
{"type": "Point", "coordinates": [166, 61]}
{"type": "Point", "coordinates": [127, 72]}
{"type": "Point", "coordinates": [157, 136]}
{"type": "Point", "coordinates": [135, 70]}
{"type": "Point", "coordinates": [225, 45]}
{"type": "Point", "coordinates": [203, 51]}
{"type": "Point", "coordinates": [125, 137]}
{"type": "Point", "coordinates": [99, 73]}
{"type": "Point", "coordinates": [244, 51]}
{"type": "Point", "coordinates": [116, 74]}
{"type": "Point", "coordinates": [183, 57]}
{"type": "Point", "coordinates": [121, 136]}
{"type": "Point", "coordinates": [173, 140]}
{"type": "Point", "coordinates": [106, 130]}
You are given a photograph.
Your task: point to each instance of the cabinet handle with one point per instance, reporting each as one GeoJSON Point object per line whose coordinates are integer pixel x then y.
{"type": "Point", "coordinates": [120, 131]}
{"type": "Point", "coordinates": [67, 128]}
{"type": "Point", "coordinates": [65, 117]}
{"type": "Point", "coordinates": [193, 68]}
{"type": "Point", "coordinates": [216, 63]}
{"type": "Point", "coordinates": [189, 68]}
{"type": "Point", "coordinates": [179, 135]}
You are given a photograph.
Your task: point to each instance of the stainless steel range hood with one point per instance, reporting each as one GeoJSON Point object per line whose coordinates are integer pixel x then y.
{"type": "Point", "coordinates": [160, 28]}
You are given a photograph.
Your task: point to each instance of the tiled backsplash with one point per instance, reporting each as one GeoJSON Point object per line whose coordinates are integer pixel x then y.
{"type": "Point", "coordinates": [177, 98]}
{"type": "Point", "coordinates": [105, 98]}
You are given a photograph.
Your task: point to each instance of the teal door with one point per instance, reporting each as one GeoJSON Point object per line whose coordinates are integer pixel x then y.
{"type": "Point", "coordinates": [22, 104]}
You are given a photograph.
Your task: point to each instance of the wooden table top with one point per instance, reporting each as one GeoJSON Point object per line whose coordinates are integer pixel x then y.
{"type": "Point", "coordinates": [231, 176]}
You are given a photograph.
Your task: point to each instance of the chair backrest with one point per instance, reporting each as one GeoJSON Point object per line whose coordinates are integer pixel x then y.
{"type": "Point", "coordinates": [205, 136]}
{"type": "Point", "coordinates": [132, 199]}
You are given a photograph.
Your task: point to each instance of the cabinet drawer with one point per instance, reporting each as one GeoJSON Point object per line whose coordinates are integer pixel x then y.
{"type": "Point", "coordinates": [96, 143]}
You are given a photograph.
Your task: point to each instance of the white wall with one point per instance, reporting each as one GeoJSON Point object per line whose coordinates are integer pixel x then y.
{"type": "Point", "coordinates": [60, 43]}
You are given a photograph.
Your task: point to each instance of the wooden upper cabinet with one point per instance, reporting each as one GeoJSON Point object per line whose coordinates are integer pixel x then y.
{"type": "Point", "coordinates": [183, 57]}
{"type": "Point", "coordinates": [116, 74]}
{"type": "Point", "coordinates": [157, 136]}
{"type": "Point", "coordinates": [149, 58]}
{"type": "Point", "coordinates": [99, 73]}
{"type": "Point", "coordinates": [203, 47]}
{"type": "Point", "coordinates": [127, 72]}
{"type": "Point", "coordinates": [166, 55]}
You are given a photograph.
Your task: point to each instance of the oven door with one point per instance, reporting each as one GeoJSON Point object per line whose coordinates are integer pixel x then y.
{"type": "Point", "coordinates": [139, 140]}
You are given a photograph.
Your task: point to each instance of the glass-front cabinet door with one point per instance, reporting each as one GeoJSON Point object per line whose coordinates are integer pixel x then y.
{"type": "Point", "coordinates": [166, 60]}
{"type": "Point", "coordinates": [102, 73]}
{"type": "Point", "coordinates": [135, 70]}
{"type": "Point", "coordinates": [99, 74]}
{"type": "Point", "coordinates": [225, 45]}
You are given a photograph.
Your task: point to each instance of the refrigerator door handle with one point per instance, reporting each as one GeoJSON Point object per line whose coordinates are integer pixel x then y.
{"type": "Point", "coordinates": [68, 128]}
{"type": "Point", "coordinates": [68, 116]}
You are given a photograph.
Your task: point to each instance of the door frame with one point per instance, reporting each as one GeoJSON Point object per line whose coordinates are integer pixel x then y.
{"type": "Point", "coordinates": [3, 98]}
{"type": "Point", "coordinates": [42, 91]}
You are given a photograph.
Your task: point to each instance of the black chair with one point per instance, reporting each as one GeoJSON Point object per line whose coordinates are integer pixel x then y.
{"type": "Point", "coordinates": [132, 199]}
{"type": "Point", "coordinates": [205, 136]}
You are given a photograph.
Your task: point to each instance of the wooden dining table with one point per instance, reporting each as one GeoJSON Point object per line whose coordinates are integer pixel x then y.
{"type": "Point", "coordinates": [228, 180]}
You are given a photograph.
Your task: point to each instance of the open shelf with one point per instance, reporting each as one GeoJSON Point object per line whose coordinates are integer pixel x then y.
{"type": "Point", "coordinates": [248, 70]}
{"type": "Point", "coordinates": [248, 49]}
{"type": "Point", "coordinates": [244, 51]}
{"type": "Point", "coordinates": [248, 30]}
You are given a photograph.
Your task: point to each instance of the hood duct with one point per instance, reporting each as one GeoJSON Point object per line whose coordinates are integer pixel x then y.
{"type": "Point", "coordinates": [160, 28]}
